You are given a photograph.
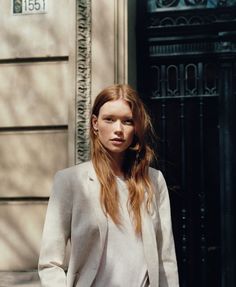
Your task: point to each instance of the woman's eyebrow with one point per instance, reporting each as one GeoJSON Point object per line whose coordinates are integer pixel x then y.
{"type": "Point", "coordinates": [108, 115]}
{"type": "Point", "coordinates": [128, 117]}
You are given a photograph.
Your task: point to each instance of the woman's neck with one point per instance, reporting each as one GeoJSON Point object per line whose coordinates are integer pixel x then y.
{"type": "Point", "coordinates": [117, 165]}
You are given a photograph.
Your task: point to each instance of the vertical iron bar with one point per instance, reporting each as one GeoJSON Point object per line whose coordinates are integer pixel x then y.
{"type": "Point", "coordinates": [202, 196]}
{"type": "Point", "coordinates": [184, 215]}
{"type": "Point", "coordinates": [163, 116]}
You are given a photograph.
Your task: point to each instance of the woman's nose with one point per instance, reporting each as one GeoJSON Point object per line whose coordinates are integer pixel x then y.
{"type": "Point", "coordinates": [118, 126]}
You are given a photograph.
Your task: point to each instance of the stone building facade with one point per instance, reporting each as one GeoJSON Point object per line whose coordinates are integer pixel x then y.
{"type": "Point", "coordinates": [52, 65]}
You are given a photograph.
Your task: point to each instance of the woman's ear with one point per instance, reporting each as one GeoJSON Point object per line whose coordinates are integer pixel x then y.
{"type": "Point", "coordinates": [95, 123]}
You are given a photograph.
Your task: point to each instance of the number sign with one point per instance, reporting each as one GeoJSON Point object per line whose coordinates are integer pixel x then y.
{"type": "Point", "coordinates": [22, 7]}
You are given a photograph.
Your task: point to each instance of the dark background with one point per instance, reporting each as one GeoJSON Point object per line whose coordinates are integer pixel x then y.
{"type": "Point", "coordinates": [187, 74]}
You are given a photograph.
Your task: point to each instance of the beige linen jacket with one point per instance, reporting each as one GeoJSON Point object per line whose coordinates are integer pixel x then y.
{"type": "Point", "coordinates": [74, 213]}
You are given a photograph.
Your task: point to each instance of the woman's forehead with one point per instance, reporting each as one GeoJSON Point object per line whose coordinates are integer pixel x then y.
{"type": "Point", "coordinates": [119, 106]}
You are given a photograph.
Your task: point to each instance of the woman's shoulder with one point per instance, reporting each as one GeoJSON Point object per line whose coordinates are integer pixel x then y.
{"type": "Point", "coordinates": [80, 170]}
{"type": "Point", "coordinates": [67, 181]}
{"type": "Point", "coordinates": [158, 182]}
{"type": "Point", "coordinates": [156, 175]}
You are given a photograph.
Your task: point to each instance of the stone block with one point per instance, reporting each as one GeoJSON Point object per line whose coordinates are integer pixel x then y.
{"type": "Point", "coordinates": [29, 161]}
{"type": "Point", "coordinates": [34, 94]}
{"type": "Point", "coordinates": [21, 225]}
{"type": "Point", "coordinates": [38, 35]}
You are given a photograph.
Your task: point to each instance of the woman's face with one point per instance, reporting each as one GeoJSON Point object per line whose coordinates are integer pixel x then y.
{"type": "Point", "coordinates": [115, 126]}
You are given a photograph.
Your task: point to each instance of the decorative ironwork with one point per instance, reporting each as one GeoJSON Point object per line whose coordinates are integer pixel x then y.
{"type": "Point", "coordinates": [154, 5]}
{"type": "Point", "coordinates": [199, 2]}
{"type": "Point", "coordinates": [166, 3]}
{"type": "Point", "coordinates": [196, 79]}
{"type": "Point", "coordinates": [156, 49]}
{"type": "Point", "coordinates": [172, 81]}
{"type": "Point", "coordinates": [174, 18]}
{"type": "Point", "coordinates": [210, 79]}
{"type": "Point", "coordinates": [191, 79]}
{"type": "Point", "coordinates": [83, 80]}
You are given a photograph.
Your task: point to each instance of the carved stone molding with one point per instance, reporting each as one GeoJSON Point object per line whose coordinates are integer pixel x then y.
{"type": "Point", "coordinates": [83, 79]}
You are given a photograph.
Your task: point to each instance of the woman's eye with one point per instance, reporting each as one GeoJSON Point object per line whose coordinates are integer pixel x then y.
{"type": "Point", "coordinates": [128, 122]}
{"type": "Point", "coordinates": [109, 120]}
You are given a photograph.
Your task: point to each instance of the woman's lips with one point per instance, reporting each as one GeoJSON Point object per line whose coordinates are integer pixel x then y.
{"type": "Point", "coordinates": [117, 141]}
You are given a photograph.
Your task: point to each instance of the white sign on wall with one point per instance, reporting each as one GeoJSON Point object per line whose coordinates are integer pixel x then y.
{"type": "Point", "coordinates": [23, 7]}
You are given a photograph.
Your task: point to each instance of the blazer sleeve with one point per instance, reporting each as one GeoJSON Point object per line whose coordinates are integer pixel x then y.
{"type": "Point", "coordinates": [168, 271]}
{"type": "Point", "coordinates": [56, 233]}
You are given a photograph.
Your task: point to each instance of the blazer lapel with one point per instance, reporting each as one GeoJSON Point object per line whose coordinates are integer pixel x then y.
{"type": "Point", "coordinates": [94, 188]}
{"type": "Point", "coordinates": [150, 247]}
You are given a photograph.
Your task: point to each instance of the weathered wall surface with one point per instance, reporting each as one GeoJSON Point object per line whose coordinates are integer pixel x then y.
{"type": "Point", "coordinates": [40, 95]}
{"type": "Point", "coordinates": [34, 97]}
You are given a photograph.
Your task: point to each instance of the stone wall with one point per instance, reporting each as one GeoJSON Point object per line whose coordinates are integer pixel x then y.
{"type": "Point", "coordinates": [52, 66]}
{"type": "Point", "coordinates": [34, 97]}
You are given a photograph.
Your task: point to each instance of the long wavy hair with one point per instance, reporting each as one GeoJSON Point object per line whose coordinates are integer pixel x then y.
{"type": "Point", "coordinates": [136, 161]}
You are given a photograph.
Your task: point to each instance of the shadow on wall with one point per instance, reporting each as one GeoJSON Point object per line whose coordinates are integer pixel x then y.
{"type": "Point", "coordinates": [33, 104]}
{"type": "Point", "coordinates": [21, 226]}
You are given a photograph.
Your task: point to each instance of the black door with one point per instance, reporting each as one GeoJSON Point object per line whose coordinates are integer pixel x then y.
{"type": "Point", "coordinates": [186, 75]}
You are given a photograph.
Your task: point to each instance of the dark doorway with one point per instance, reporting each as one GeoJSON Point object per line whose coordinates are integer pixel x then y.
{"type": "Point", "coordinates": [184, 50]}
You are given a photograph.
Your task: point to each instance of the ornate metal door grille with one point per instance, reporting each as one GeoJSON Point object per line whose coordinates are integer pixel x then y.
{"type": "Point", "coordinates": [185, 112]}
{"type": "Point", "coordinates": [186, 74]}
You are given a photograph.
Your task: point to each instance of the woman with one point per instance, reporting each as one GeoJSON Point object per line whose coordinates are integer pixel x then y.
{"type": "Point", "coordinates": [114, 209]}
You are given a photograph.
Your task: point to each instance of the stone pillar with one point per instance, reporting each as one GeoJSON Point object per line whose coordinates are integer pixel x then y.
{"type": "Point", "coordinates": [103, 36]}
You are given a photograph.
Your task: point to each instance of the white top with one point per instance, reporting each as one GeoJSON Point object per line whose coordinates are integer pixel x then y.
{"type": "Point", "coordinates": [123, 263]}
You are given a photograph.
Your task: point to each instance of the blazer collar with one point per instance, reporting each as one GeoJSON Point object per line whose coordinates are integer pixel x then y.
{"type": "Point", "coordinates": [94, 188]}
{"type": "Point", "coordinates": [91, 172]}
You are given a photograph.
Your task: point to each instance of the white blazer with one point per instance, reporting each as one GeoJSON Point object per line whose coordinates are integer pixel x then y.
{"type": "Point", "coordinates": [74, 213]}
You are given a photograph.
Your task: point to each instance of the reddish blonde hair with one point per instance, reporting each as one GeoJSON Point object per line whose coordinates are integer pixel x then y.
{"type": "Point", "coordinates": [137, 158]}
